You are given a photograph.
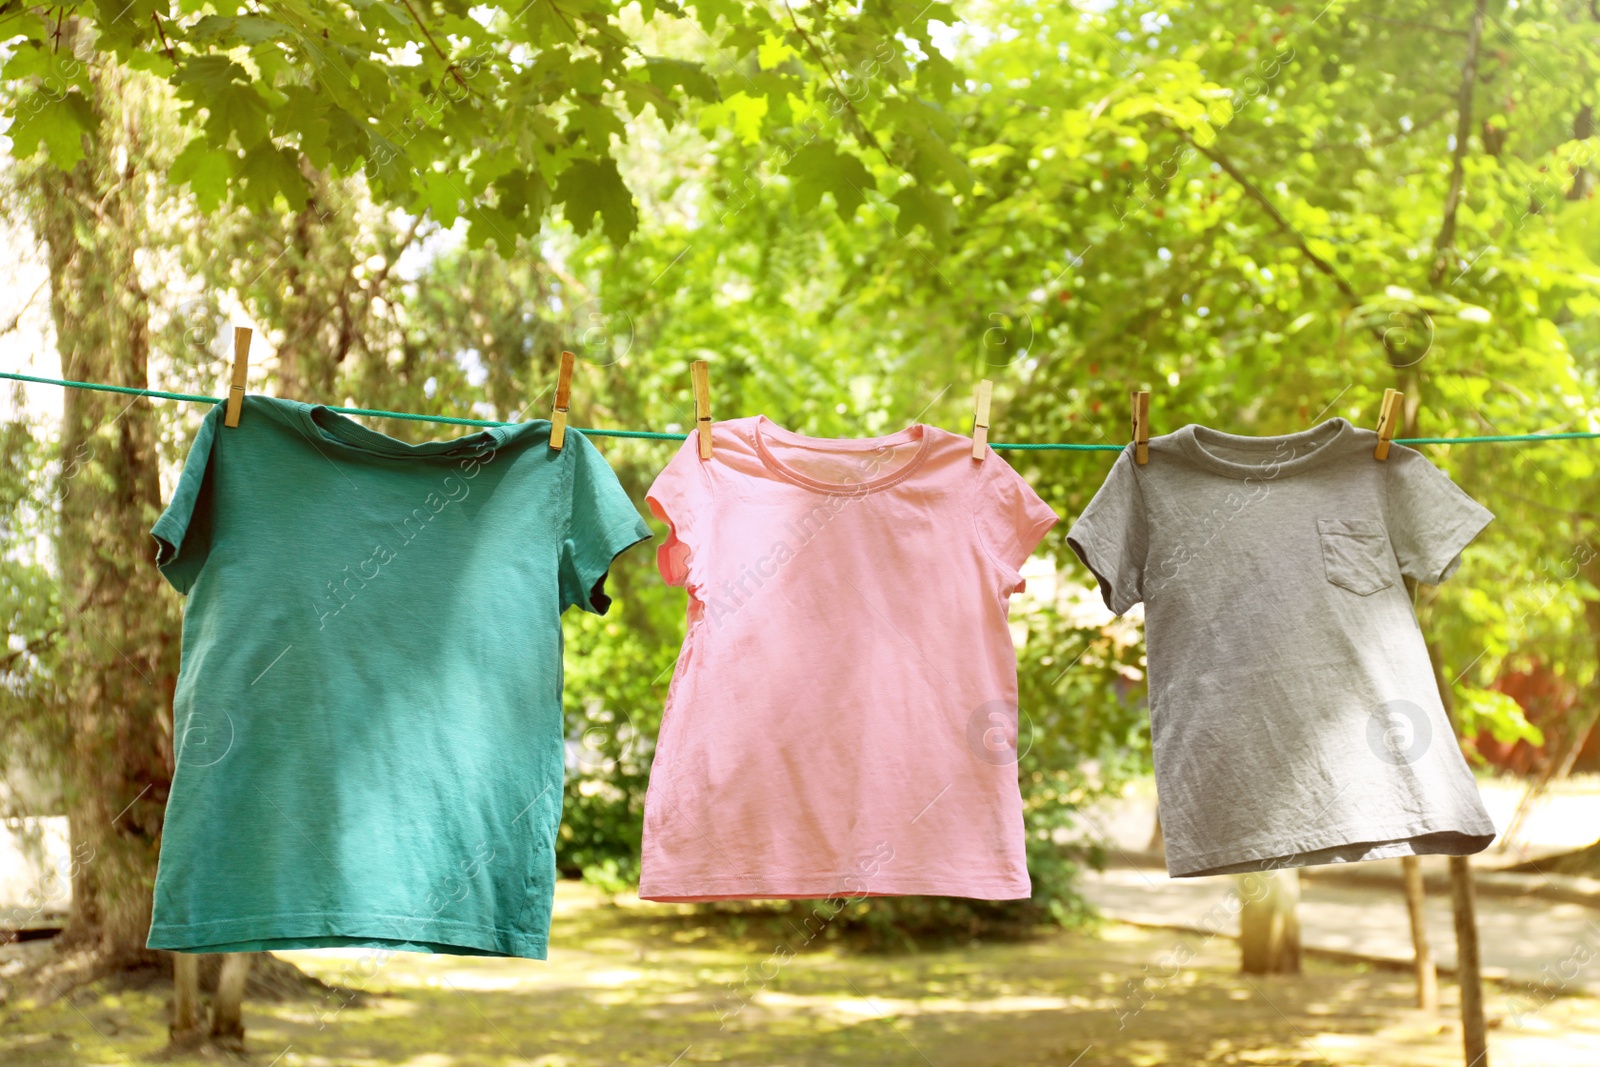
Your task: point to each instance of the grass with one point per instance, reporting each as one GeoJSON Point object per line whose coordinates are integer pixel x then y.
{"type": "Point", "coordinates": [641, 984]}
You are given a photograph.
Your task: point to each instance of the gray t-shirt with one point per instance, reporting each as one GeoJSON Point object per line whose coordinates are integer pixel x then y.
{"type": "Point", "coordinates": [1294, 713]}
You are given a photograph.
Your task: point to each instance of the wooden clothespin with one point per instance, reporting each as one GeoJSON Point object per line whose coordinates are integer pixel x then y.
{"type": "Point", "coordinates": [241, 367]}
{"type": "Point", "coordinates": [558, 416]}
{"type": "Point", "coordinates": [700, 375]}
{"type": "Point", "coordinates": [1388, 419]}
{"type": "Point", "coordinates": [980, 419]}
{"type": "Point", "coordinates": [1141, 426]}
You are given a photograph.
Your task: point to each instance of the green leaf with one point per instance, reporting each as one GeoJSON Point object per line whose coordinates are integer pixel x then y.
{"type": "Point", "coordinates": [522, 195]}
{"type": "Point", "coordinates": [709, 12]}
{"type": "Point", "coordinates": [919, 207]}
{"type": "Point", "coordinates": [201, 77]}
{"type": "Point", "coordinates": [224, 89]}
{"type": "Point", "coordinates": [348, 141]}
{"type": "Point", "coordinates": [489, 223]}
{"type": "Point", "coordinates": [441, 197]}
{"type": "Point", "coordinates": [928, 130]}
{"type": "Point", "coordinates": [59, 123]}
{"type": "Point", "coordinates": [206, 170]}
{"type": "Point", "coordinates": [742, 112]}
{"type": "Point", "coordinates": [586, 76]}
{"type": "Point", "coordinates": [238, 110]}
{"type": "Point", "coordinates": [819, 168]}
{"type": "Point", "coordinates": [937, 74]}
{"type": "Point", "coordinates": [268, 172]}
{"type": "Point", "coordinates": [586, 188]}
{"type": "Point", "coordinates": [57, 69]}
{"type": "Point", "coordinates": [774, 51]}
{"type": "Point", "coordinates": [598, 123]}
{"type": "Point", "coordinates": [668, 74]}
{"type": "Point", "coordinates": [388, 166]}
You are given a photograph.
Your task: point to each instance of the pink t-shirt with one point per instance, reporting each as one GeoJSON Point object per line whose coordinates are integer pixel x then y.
{"type": "Point", "coordinates": [842, 718]}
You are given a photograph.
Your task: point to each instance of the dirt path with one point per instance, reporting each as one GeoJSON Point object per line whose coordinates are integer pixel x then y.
{"type": "Point", "coordinates": [1526, 939]}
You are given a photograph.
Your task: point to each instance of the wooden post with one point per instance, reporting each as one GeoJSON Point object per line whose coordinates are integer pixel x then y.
{"type": "Point", "coordinates": [185, 1028]}
{"type": "Point", "coordinates": [1474, 1033]}
{"type": "Point", "coordinates": [1427, 973]}
{"type": "Point", "coordinates": [227, 1011]}
{"type": "Point", "coordinates": [1469, 975]}
{"type": "Point", "coordinates": [1269, 929]}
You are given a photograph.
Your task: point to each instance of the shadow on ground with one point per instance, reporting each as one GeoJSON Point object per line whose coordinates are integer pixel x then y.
{"type": "Point", "coordinates": [641, 984]}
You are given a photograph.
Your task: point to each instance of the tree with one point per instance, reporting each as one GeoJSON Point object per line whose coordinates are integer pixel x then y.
{"type": "Point", "coordinates": [1269, 929]}
{"type": "Point", "coordinates": [1239, 207]}
{"type": "Point", "coordinates": [120, 662]}
{"type": "Point", "coordinates": [499, 114]}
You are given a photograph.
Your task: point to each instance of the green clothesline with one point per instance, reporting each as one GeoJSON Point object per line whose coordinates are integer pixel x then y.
{"type": "Point", "coordinates": [652, 435]}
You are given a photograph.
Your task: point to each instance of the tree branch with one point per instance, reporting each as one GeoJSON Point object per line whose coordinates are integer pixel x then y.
{"type": "Point", "coordinates": [406, 241]}
{"type": "Point", "coordinates": [1384, 141]}
{"type": "Point", "coordinates": [449, 64]}
{"type": "Point", "coordinates": [16, 320]}
{"type": "Point", "coordinates": [1452, 201]}
{"type": "Point", "coordinates": [155, 16]}
{"type": "Point", "coordinates": [48, 638]}
{"type": "Point", "coordinates": [1254, 193]}
{"type": "Point", "coordinates": [832, 77]}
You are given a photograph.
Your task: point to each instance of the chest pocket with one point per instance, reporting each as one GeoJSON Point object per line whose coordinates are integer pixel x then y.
{"type": "Point", "coordinates": [1356, 554]}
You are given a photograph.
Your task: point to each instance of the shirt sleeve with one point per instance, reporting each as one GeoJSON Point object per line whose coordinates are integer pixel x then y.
{"type": "Point", "coordinates": [183, 532]}
{"type": "Point", "coordinates": [1430, 518]}
{"type": "Point", "coordinates": [601, 524]}
{"type": "Point", "coordinates": [1011, 518]}
{"type": "Point", "coordinates": [1110, 536]}
{"type": "Point", "coordinates": [677, 497]}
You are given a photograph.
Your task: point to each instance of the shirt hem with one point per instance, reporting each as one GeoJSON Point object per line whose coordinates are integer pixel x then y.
{"type": "Point", "coordinates": [1474, 836]}
{"type": "Point", "coordinates": [324, 930]}
{"type": "Point", "coordinates": [712, 891]}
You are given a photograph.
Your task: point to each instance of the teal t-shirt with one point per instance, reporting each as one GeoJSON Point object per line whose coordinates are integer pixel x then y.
{"type": "Point", "coordinates": [367, 718]}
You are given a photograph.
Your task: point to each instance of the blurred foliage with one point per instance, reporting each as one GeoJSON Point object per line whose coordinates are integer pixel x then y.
{"type": "Point", "coordinates": [1244, 207]}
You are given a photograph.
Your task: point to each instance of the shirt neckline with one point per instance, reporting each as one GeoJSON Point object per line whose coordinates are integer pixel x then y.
{"type": "Point", "coordinates": [765, 428]}
{"type": "Point", "coordinates": [327, 425]}
{"type": "Point", "coordinates": [1282, 454]}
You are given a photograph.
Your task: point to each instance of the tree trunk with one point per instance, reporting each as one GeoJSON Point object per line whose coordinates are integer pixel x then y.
{"type": "Point", "coordinates": [1427, 974]}
{"type": "Point", "coordinates": [1269, 929]}
{"type": "Point", "coordinates": [227, 1011]}
{"type": "Point", "coordinates": [1468, 973]}
{"type": "Point", "coordinates": [117, 620]}
{"type": "Point", "coordinates": [185, 1030]}
{"type": "Point", "coordinates": [1474, 1037]}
